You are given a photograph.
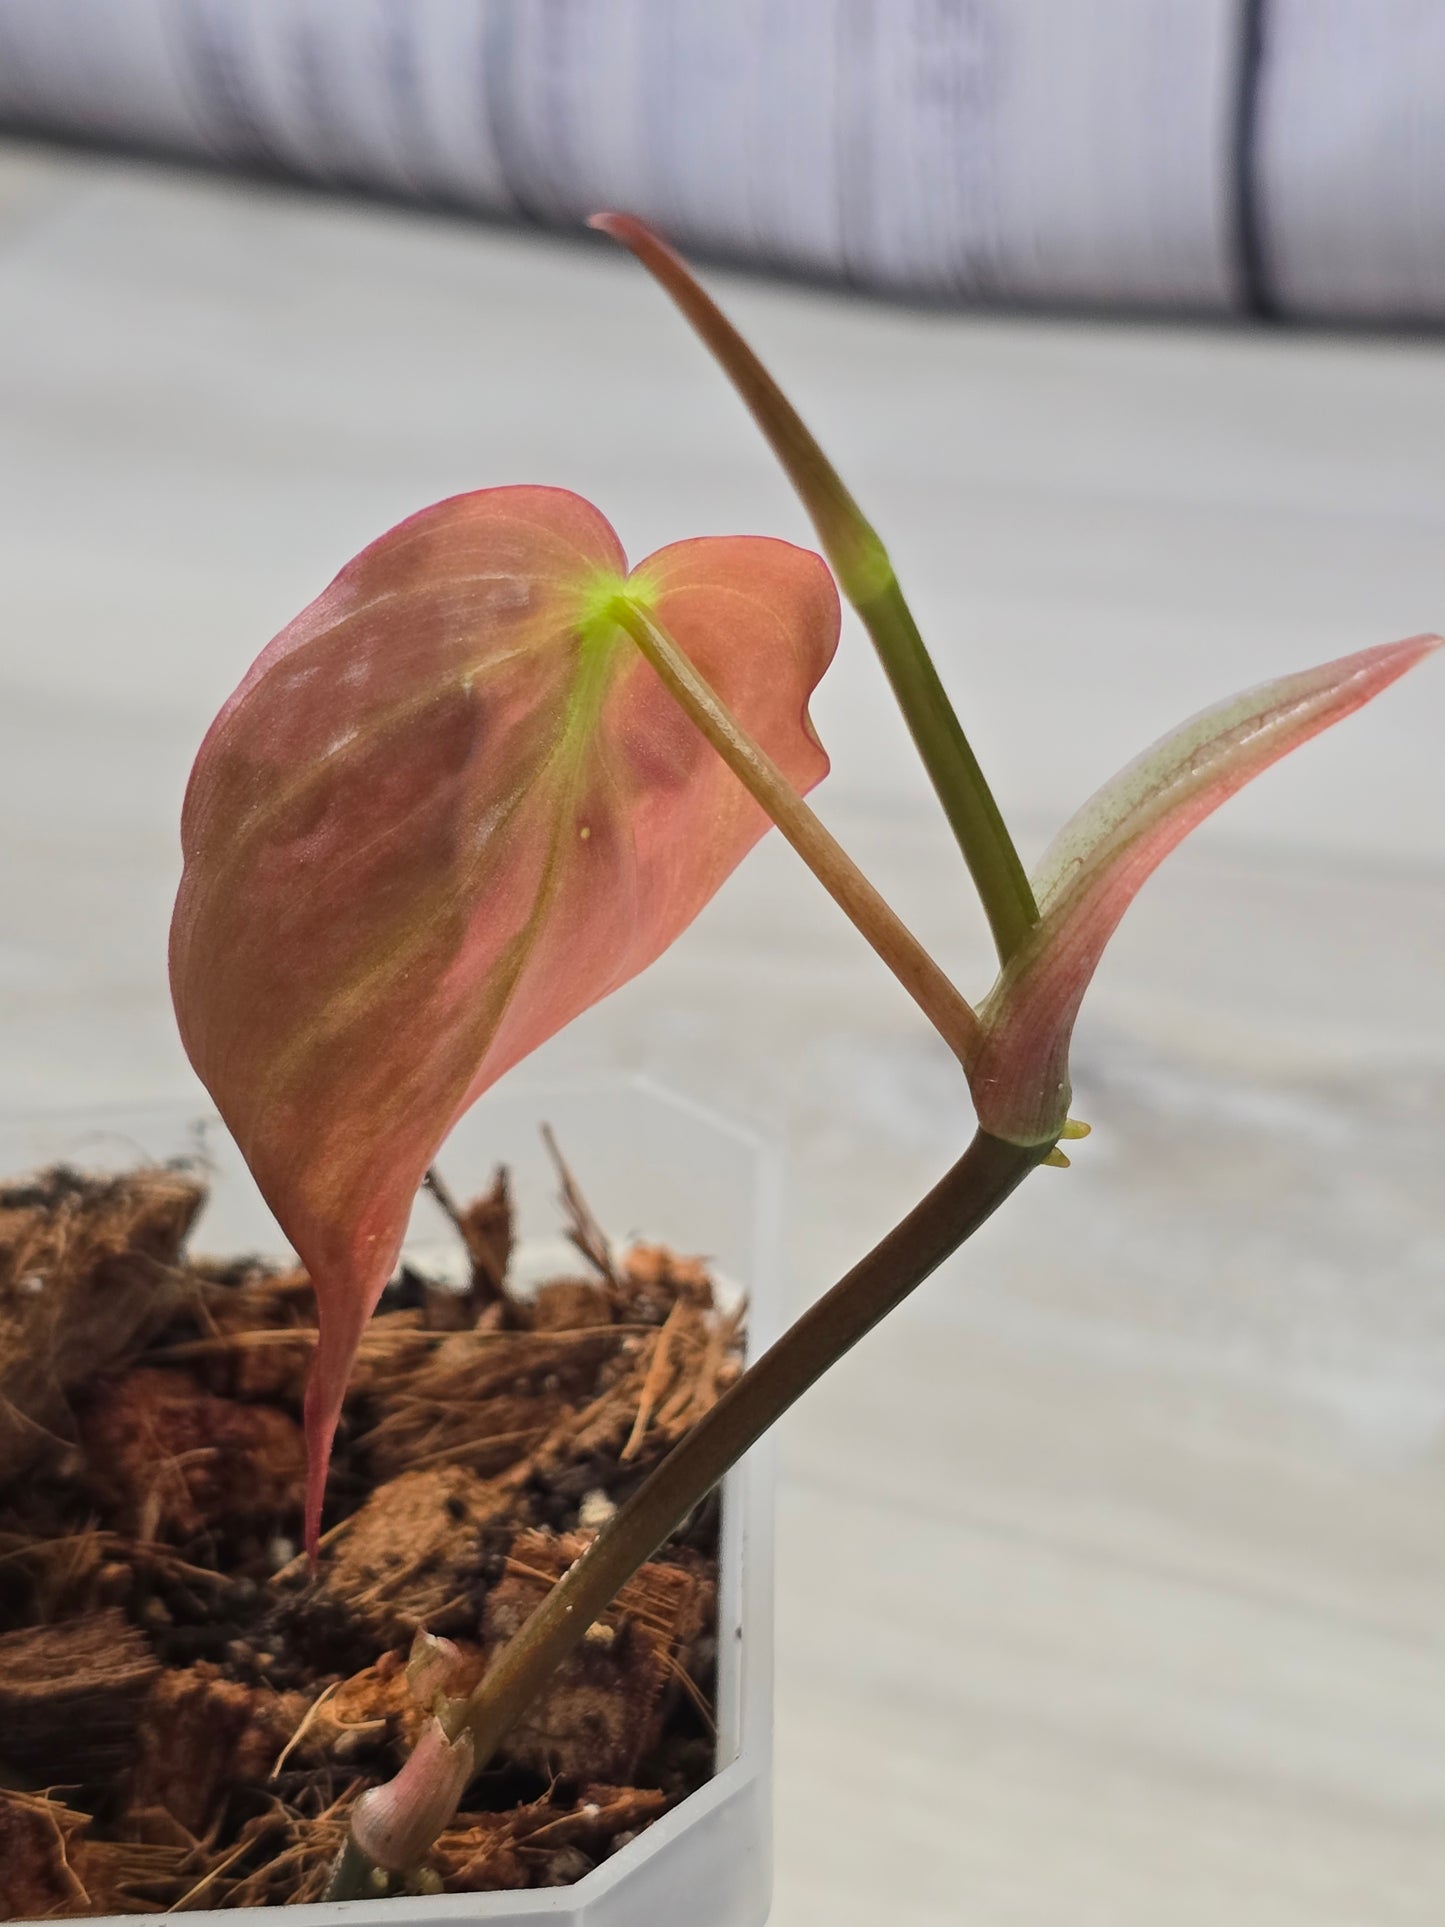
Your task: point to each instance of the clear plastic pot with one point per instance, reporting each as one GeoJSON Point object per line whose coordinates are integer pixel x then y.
{"type": "Point", "coordinates": [654, 1165]}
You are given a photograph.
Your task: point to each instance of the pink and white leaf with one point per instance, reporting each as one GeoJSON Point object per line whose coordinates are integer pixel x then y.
{"type": "Point", "coordinates": [1096, 865]}
{"type": "Point", "coordinates": [450, 807]}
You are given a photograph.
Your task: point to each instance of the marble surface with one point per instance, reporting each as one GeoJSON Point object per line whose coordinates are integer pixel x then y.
{"type": "Point", "coordinates": [1112, 1581]}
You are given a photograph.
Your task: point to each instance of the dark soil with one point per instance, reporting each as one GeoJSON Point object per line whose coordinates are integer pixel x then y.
{"type": "Point", "coordinates": [187, 1710]}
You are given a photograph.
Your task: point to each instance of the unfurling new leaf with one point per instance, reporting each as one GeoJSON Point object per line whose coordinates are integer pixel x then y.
{"type": "Point", "coordinates": [449, 808]}
{"type": "Point", "coordinates": [1097, 863]}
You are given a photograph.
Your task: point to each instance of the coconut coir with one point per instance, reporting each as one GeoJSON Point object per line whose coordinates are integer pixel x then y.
{"type": "Point", "coordinates": [187, 1708]}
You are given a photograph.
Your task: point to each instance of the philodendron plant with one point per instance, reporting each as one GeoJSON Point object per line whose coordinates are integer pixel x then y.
{"type": "Point", "coordinates": [489, 775]}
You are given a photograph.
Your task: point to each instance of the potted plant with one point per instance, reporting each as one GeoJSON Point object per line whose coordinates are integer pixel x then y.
{"type": "Point", "coordinates": [489, 775]}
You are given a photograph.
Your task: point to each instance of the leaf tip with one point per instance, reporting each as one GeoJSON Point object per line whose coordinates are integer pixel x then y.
{"type": "Point", "coordinates": [1375, 669]}
{"type": "Point", "coordinates": [321, 1413]}
{"type": "Point", "coordinates": [619, 226]}
{"type": "Point", "coordinates": [648, 246]}
{"type": "Point", "coordinates": [318, 1461]}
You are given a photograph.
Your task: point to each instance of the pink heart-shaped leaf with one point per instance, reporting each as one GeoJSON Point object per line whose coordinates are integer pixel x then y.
{"type": "Point", "coordinates": [1095, 866]}
{"type": "Point", "coordinates": [449, 808]}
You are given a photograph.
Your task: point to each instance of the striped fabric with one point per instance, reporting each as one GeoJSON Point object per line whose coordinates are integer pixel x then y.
{"type": "Point", "coordinates": [1226, 156]}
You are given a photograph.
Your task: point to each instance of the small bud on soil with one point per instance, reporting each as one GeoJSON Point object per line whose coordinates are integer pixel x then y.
{"type": "Point", "coordinates": [395, 1824]}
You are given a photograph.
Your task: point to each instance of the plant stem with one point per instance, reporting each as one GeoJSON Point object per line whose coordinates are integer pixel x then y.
{"type": "Point", "coordinates": [866, 576]}
{"type": "Point", "coordinates": [968, 802]}
{"type": "Point", "coordinates": [351, 1876]}
{"type": "Point", "coordinates": [958, 1204]}
{"type": "Point", "coordinates": [945, 1008]}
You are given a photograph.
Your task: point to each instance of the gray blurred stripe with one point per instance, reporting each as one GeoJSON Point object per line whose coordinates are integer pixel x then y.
{"type": "Point", "coordinates": [1065, 151]}
{"type": "Point", "coordinates": [1351, 158]}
